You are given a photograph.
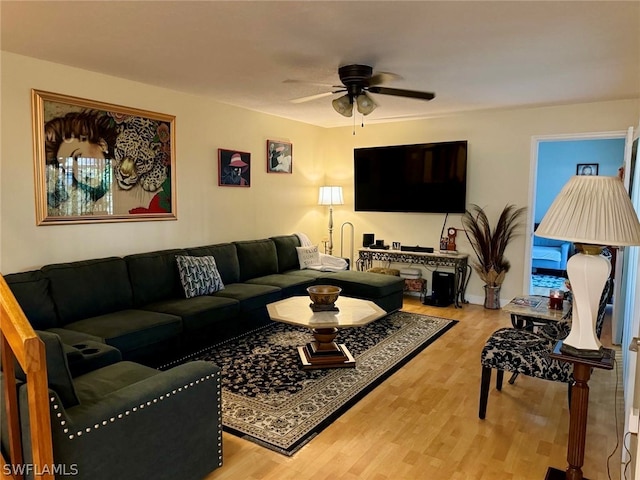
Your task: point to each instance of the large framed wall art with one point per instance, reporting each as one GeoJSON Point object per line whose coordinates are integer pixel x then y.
{"type": "Point", "coordinates": [97, 162]}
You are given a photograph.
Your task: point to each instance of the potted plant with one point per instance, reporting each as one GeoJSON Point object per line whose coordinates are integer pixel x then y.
{"type": "Point", "coordinates": [489, 245]}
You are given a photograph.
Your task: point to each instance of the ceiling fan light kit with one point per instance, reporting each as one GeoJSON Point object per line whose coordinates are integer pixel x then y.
{"type": "Point", "coordinates": [343, 105]}
{"type": "Point", "coordinates": [365, 104]}
{"type": "Point", "coordinates": [357, 82]}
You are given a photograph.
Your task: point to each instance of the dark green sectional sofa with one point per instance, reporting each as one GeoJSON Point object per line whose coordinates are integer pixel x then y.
{"type": "Point", "coordinates": [135, 306]}
{"type": "Point", "coordinates": [112, 417]}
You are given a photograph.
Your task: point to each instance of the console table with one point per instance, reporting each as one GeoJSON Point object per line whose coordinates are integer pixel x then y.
{"type": "Point", "coordinates": [459, 262]}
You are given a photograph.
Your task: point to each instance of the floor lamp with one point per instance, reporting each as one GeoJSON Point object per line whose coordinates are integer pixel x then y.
{"type": "Point", "coordinates": [593, 212]}
{"type": "Point", "coordinates": [330, 195]}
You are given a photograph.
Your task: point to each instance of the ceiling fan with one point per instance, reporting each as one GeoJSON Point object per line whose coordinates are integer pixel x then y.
{"type": "Point", "coordinates": [358, 81]}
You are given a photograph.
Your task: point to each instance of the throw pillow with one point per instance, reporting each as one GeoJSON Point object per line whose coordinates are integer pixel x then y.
{"type": "Point", "coordinates": [308, 256]}
{"type": "Point", "coordinates": [199, 275]}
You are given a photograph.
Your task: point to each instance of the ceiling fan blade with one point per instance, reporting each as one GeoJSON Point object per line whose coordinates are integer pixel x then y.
{"type": "Point", "coordinates": [304, 82]}
{"type": "Point", "coordinates": [380, 78]}
{"type": "Point", "coordinates": [402, 93]}
{"type": "Point", "coordinates": [311, 97]}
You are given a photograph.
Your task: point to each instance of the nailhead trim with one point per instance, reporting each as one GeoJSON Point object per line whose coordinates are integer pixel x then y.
{"type": "Point", "coordinates": [219, 394]}
{"type": "Point", "coordinates": [79, 433]}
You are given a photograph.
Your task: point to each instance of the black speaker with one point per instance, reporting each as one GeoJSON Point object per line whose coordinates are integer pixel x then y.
{"type": "Point", "coordinates": [443, 289]}
{"type": "Point", "coordinates": [368, 239]}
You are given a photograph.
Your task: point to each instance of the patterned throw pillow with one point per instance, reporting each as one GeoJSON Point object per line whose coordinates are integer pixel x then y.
{"type": "Point", "coordinates": [199, 275]}
{"type": "Point", "coordinates": [308, 256]}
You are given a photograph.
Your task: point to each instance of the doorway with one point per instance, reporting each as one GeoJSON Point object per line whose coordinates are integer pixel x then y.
{"type": "Point", "coordinates": [555, 159]}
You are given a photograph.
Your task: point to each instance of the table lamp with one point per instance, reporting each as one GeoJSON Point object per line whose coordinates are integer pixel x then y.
{"type": "Point", "coordinates": [330, 195]}
{"type": "Point", "coordinates": [593, 212]}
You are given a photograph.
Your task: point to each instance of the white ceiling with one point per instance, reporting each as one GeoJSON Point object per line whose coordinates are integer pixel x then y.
{"type": "Point", "coordinates": [473, 55]}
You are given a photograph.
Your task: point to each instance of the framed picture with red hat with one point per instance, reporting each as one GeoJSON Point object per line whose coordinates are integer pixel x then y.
{"type": "Point", "coordinates": [279, 157]}
{"type": "Point", "coordinates": [234, 168]}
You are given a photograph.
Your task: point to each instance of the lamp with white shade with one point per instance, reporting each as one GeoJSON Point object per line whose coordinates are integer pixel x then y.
{"type": "Point", "coordinates": [593, 212]}
{"type": "Point", "coordinates": [330, 195]}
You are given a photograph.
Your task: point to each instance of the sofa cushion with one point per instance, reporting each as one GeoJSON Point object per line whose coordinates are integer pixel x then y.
{"type": "Point", "coordinates": [198, 312]}
{"type": "Point", "coordinates": [94, 386]}
{"type": "Point", "coordinates": [257, 258]}
{"type": "Point", "coordinates": [364, 284]}
{"type": "Point", "coordinates": [154, 276]}
{"type": "Point", "coordinates": [290, 284]}
{"type": "Point", "coordinates": [226, 260]}
{"type": "Point", "coordinates": [31, 290]}
{"type": "Point", "coordinates": [307, 273]}
{"type": "Point", "coordinates": [199, 275]}
{"type": "Point", "coordinates": [130, 330]}
{"type": "Point", "coordinates": [552, 254]}
{"type": "Point", "coordinates": [88, 288]}
{"type": "Point", "coordinates": [251, 296]}
{"type": "Point", "coordinates": [308, 256]}
{"type": "Point", "coordinates": [71, 337]}
{"type": "Point", "coordinates": [286, 251]}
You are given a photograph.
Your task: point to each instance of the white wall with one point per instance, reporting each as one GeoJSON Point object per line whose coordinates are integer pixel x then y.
{"type": "Point", "coordinates": [498, 169]}
{"type": "Point", "coordinates": [498, 173]}
{"type": "Point", "coordinates": [273, 204]}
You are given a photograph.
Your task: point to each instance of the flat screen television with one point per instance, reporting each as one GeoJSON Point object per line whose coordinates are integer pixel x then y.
{"type": "Point", "coordinates": [426, 178]}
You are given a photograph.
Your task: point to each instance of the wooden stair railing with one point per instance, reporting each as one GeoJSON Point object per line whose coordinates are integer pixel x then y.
{"type": "Point", "coordinates": [18, 341]}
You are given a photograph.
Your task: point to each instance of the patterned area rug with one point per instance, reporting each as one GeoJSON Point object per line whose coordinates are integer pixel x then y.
{"type": "Point", "coordinates": [268, 399]}
{"type": "Point", "coordinates": [547, 281]}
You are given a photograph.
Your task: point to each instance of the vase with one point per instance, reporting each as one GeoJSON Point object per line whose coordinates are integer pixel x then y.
{"type": "Point", "coordinates": [492, 297]}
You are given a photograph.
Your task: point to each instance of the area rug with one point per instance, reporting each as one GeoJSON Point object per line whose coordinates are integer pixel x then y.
{"type": "Point", "coordinates": [268, 399]}
{"type": "Point", "coordinates": [547, 281]}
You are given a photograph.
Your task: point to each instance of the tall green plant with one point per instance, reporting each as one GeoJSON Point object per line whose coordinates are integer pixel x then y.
{"type": "Point", "coordinates": [489, 244]}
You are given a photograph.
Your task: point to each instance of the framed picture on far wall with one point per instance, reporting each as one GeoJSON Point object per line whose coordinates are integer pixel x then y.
{"type": "Point", "coordinates": [587, 169]}
{"type": "Point", "coordinates": [234, 168]}
{"type": "Point", "coordinates": [279, 157]}
{"type": "Point", "coordinates": [97, 162]}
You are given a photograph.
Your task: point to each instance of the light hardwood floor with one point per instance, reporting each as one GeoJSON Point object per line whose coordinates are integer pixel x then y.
{"type": "Point", "coordinates": [422, 422]}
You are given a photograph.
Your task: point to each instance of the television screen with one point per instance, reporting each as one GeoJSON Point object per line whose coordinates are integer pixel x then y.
{"type": "Point", "coordinates": [428, 178]}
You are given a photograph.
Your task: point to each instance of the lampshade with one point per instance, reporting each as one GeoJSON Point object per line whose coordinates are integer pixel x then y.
{"type": "Point", "coordinates": [365, 103]}
{"type": "Point", "coordinates": [330, 195]}
{"type": "Point", "coordinates": [593, 210]}
{"type": "Point", "coordinates": [343, 105]}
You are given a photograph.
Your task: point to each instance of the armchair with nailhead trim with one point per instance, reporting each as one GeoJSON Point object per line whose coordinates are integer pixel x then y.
{"type": "Point", "coordinates": [128, 421]}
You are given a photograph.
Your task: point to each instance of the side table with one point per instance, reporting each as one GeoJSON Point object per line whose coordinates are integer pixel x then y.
{"type": "Point", "coordinates": [528, 310]}
{"type": "Point", "coordinates": [578, 413]}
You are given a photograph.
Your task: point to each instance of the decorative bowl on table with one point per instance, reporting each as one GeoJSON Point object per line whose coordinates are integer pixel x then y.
{"type": "Point", "coordinates": [323, 297]}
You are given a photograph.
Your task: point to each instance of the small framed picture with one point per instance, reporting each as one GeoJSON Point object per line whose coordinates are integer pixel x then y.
{"type": "Point", "coordinates": [279, 157]}
{"type": "Point", "coordinates": [234, 168]}
{"type": "Point", "coordinates": [587, 169]}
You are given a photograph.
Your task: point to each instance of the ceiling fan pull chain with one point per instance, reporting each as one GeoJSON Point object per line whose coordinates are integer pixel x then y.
{"type": "Point", "coordinates": [354, 125]}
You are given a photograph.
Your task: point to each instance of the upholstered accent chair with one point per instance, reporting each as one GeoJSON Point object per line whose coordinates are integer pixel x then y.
{"type": "Point", "coordinates": [130, 421]}
{"type": "Point", "coordinates": [525, 351]}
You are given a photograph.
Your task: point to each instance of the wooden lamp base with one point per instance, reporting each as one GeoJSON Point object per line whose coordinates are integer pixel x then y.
{"type": "Point", "coordinates": [556, 474]}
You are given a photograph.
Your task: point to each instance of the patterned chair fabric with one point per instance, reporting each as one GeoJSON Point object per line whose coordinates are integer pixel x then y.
{"type": "Point", "coordinates": [522, 351]}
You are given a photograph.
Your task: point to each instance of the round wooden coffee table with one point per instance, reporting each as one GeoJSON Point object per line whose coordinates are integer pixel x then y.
{"type": "Point", "coordinates": [324, 352]}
